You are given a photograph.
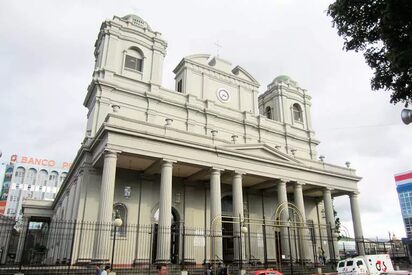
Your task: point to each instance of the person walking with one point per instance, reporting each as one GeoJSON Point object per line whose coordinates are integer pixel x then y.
{"type": "Point", "coordinates": [162, 269]}
{"type": "Point", "coordinates": [98, 270]}
{"type": "Point", "coordinates": [106, 270]}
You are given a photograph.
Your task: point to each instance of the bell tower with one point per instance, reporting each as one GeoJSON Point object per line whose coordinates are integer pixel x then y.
{"type": "Point", "coordinates": [128, 47]}
{"type": "Point", "coordinates": [284, 101]}
{"type": "Point", "coordinates": [128, 54]}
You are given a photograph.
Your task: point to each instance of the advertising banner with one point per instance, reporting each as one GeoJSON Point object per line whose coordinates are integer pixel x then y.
{"type": "Point", "coordinates": [5, 187]}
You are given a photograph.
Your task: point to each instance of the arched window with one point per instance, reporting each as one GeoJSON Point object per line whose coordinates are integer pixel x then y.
{"type": "Point", "coordinates": [19, 176]}
{"type": "Point", "coordinates": [268, 112]}
{"type": "Point", "coordinates": [62, 177]}
{"type": "Point", "coordinates": [53, 179]}
{"type": "Point", "coordinates": [31, 176]}
{"type": "Point", "coordinates": [134, 59]}
{"type": "Point", "coordinates": [297, 113]}
{"type": "Point", "coordinates": [42, 177]}
{"type": "Point", "coordinates": [120, 211]}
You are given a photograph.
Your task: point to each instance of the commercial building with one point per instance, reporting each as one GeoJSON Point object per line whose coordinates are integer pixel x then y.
{"type": "Point", "coordinates": [404, 190]}
{"type": "Point", "coordinates": [216, 171]}
{"type": "Point", "coordinates": [29, 178]}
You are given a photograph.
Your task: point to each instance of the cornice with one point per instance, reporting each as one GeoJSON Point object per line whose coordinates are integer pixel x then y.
{"type": "Point", "coordinates": [208, 70]}
{"type": "Point", "coordinates": [223, 150]}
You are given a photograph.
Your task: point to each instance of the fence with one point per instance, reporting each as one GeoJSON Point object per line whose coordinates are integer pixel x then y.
{"type": "Point", "coordinates": [44, 247]}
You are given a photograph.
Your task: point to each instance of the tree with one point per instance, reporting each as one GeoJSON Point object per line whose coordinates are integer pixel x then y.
{"type": "Point", "coordinates": [382, 30]}
{"type": "Point", "coordinates": [337, 224]}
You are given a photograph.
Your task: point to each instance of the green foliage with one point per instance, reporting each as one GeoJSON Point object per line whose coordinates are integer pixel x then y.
{"type": "Point", "coordinates": [382, 30]}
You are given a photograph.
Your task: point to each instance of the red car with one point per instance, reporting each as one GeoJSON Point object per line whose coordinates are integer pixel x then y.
{"type": "Point", "coordinates": [267, 272]}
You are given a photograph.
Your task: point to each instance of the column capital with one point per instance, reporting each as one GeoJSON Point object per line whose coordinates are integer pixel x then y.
{"type": "Point", "coordinates": [80, 172]}
{"type": "Point", "coordinates": [282, 181]}
{"type": "Point", "coordinates": [299, 183]}
{"type": "Point", "coordinates": [167, 162]}
{"type": "Point", "coordinates": [215, 169]}
{"type": "Point", "coordinates": [239, 172]}
{"type": "Point", "coordinates": [110, 153]}
{"type": "Point", "coordinates": [328, 189]}
{"type": "Point", "coordinates": [354, 194]}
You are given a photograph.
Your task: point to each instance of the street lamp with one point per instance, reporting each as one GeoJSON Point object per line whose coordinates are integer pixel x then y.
{"type": "Point", "coordinates": [406, 116]}
{"type": "Point", "coordinates": [116, 223]}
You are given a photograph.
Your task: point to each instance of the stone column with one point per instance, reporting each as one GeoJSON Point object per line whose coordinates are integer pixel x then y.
{"type": "Point", "coordinates": [107, 187]}
{"type": "Point", "coordinates": [330, 222]}
{"type": "Point", "coordinates": [68, 222]}
{"type": "Point", "coordinates": [357, 224]}
{"type": "Point", "coordinates": [77, 196]}
{"type": "Point", "coordinates": [284, 218]}
{"type": "Point", "coordinates": [304, 232]}
{"type": "Point", "coordinates": [78, 226]}
{"type": "Point", "coordinates": [165, 212]}
{"type": "Point", "coordinates": [70, 203]}
{"type": "Point", "coordinates": [237, 195]}
{"type": "Point", "coordinates": [104, 216]}
{"type": "Point", "coordinates": [62, 227]}
{"type": "Point", "coordinates": [215, 215]}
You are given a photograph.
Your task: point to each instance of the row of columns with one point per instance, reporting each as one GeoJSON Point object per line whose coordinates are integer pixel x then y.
{"type": "Point", "coordinates": [165, 206]}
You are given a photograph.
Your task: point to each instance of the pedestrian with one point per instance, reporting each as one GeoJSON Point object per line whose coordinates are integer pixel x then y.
{"type": "Point", "coordinates": [208, 269]}
{"type": "Point", "coordinates": [223, 269]}
{"type": "Point", "coordinates": [162, 269]}
{"type": "Point", "coordinates": [98, 270]}
{"type": "Point", "coordinates": [321, 254]}
{"type": "Point", "coordinates": [106, 270]}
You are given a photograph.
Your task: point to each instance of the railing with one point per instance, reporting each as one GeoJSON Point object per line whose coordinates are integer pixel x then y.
{"type": "Point", "coordinates": [43, 247]}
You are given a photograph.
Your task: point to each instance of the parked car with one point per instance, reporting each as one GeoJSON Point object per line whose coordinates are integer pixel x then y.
{"type": "Point", "coordinates": [267, 272]}
{"type": "Point", "coordinates": [366, 265]}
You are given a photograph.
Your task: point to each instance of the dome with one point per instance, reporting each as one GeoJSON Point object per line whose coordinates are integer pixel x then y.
{"type": "Point", "coordinates": [282, 78]}
{"type": "Point", "coordinates": [136, 20]}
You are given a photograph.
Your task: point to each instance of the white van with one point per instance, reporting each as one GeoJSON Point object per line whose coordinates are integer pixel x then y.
{"type": "Point", "coordinates": [365, 265]}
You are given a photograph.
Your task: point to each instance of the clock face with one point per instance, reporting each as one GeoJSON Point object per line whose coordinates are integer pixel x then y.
{"type": "Point", "coordinates": [223, 95]}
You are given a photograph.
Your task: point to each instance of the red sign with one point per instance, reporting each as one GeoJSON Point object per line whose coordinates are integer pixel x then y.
{"type": "Point", "coordinates": [2, 207]}
{"type": "Point", "coordinates": [39, 162]}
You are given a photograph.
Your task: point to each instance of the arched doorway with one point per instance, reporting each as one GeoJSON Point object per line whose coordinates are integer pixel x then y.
{"type": "Point", "coordinates": [174, 236]}
{"type": "Point", "coordinates": [227, 230]}
{"type": "Point", "coordinates": [289, 238]}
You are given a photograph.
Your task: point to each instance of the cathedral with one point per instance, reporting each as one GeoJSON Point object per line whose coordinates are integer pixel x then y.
{"type": "Point", "coordinates": [215, 170]}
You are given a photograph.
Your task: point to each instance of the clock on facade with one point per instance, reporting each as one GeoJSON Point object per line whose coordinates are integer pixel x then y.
{"type": "Point", "coordinates": [223, 95]}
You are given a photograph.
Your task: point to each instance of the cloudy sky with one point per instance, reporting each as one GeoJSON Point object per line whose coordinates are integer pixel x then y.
{"type": "Point", "coordinates": [46, 62]}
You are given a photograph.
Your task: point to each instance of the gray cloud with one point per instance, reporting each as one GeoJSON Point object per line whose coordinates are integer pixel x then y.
{"type": "Point", "coordinates": [47, 61]}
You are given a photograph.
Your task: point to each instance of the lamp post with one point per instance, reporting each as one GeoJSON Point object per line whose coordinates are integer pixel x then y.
{"type": "Point", "coordinates": [406, 116]}
{"type": "Point", "coordinates": [290, 249]}
{"type": "Point", "coordinates": [243, 230]}
{"type": "Point", "coordinates": [116, 223]}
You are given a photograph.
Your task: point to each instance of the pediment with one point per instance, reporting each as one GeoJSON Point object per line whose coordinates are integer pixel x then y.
{"type": "Point", "coordinates": [242, 73]}
{"type": "Point", "coordinates": [263, 151]}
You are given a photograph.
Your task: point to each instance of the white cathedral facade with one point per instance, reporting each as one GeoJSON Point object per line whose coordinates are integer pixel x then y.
{"type": "Point", "coordinates": [212, 156]}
